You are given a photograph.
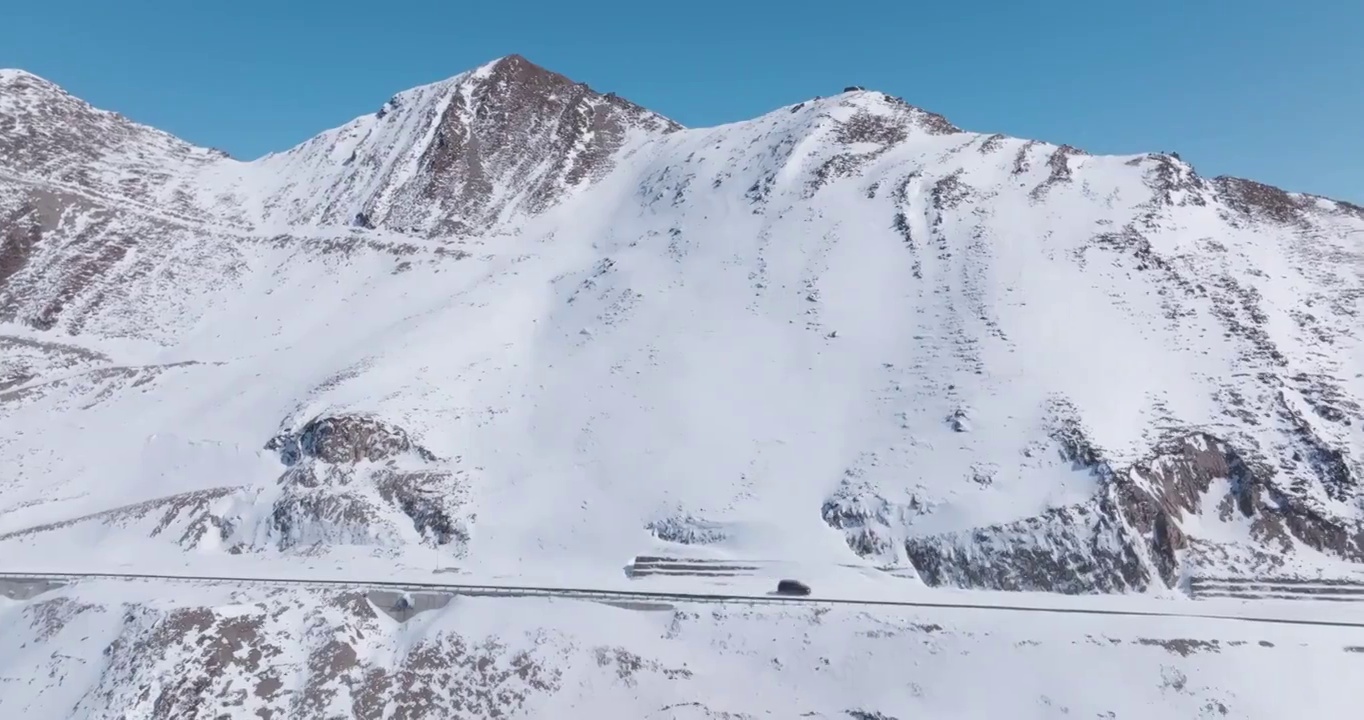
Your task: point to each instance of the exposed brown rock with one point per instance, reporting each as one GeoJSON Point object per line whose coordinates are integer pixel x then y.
{"type": "Point", "coordinates": [527, 128]}
{"type": "Point", "coordinates": [1078, 549]}
{"type": "Point", "coordinates": [1183, 647]}
{"type": "Point", "coordinates": [1128, 536]}
{"type": "Point", "coordinates": [188, 507]}
{"type": "Point", "coordinates": [345, 439]}
{"type": "Point", "coordinates": [1260, 201]}
{"type": "Point", "coordinates": [1059, 162]}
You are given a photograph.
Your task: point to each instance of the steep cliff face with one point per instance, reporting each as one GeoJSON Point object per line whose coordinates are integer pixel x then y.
{"type": "Point", "coordinates": [532, 325]}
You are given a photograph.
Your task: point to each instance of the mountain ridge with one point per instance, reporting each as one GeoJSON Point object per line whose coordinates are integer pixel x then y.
{"type": "Point", "coordinates": [843, 331]}
{"type": "Point", "coordinates": [521, 63]}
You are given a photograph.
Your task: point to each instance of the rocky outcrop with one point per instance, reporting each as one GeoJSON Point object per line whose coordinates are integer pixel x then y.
{"type": "Point", "coordinates": [1060, 170]}
{"type": "Point", "coordinates": [68, 256]}
{"type": "Point", "coordinates": [345, 439]}
{"type": "Point", "coordinates": [92, 204]}
{"type": "Point", "coordinates": [1077, 549]}
{"type": "Point", "coordinates": [106, 650]}
{"type": "Point", "coordinates": [187, 519]}
{"type": "Point", "coordinates": [873, 526]}
{"type": "Point", "coordinates": [177, 662]}
{"type": "Point", "coordinates": [1134, 534]}
{"type": "Point", "coordinates": [1242, 297]}
{"type": "Point", "coordinates": [687, 529]}
{"type": "Point", "coordinates": [526, 128]}
{"type": "Point", "coordinates": [875, 124]}
{"type": "Point", "coordinates": [349, 480]}
{"type": "Point", "coordinates": [349, 476]}
{"type": "Point", "coordinates": [473, 154]}
{"type": "Point", "coordinates": [46, 133]}
{"type": "Point", "coordinates": [1257, 201]}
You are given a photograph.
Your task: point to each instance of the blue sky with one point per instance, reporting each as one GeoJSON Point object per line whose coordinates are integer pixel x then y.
{"type": "Point", "coordinates": [1268, 90]}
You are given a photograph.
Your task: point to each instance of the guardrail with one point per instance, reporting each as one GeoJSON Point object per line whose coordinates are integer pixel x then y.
{"type": "Point", "coordinates": [646, 565]}
{"type": "Point", "coordinates": [1281, 588]}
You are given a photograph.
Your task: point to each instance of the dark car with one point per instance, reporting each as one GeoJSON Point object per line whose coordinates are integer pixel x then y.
{"type": "Point", "coordinates": [792, 587]}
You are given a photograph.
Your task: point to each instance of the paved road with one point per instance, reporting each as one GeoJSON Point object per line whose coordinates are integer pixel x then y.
{"type": "Point", "coordinates": [25, 585]}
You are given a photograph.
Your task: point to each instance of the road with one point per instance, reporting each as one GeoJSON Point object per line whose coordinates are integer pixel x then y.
{"type": "Point", "coordinates": [25, 585]}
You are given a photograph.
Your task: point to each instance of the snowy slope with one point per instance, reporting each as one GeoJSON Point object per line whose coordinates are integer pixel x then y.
{"type": "Point", "coordinates": [115, 650]}
{"type": "Point", "coordinates": [543, 330]}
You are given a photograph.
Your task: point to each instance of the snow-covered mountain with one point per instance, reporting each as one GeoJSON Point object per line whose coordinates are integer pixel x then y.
{"type": "Point", "coordinates": [529, 329]}
{"type": "Point", "coordinates": [119, 650]}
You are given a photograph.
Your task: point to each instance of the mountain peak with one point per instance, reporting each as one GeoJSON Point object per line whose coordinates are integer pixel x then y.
{"type": "Point", "coordinates": [46, 132]}
{"type": "Point", "coordinates": [532, 80]}
{"type": "Point", "coordinates": [9, 74]}
{"type": "Point", "coordinates": [465, 154]}
{"type": "Point", "coordinates": [13, 75]}
{"type": "Point", "coordinates": [514, 241]}
{"type": "Point", "coordinates": [21, 87]}
{"type": "Point", "coordinates": [515, 75]}
{"type": "Point", "coordinates": [512, 62]}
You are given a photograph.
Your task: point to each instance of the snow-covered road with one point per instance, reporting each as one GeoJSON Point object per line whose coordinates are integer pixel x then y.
{"type": "Point", "coordinates": [28, 585]}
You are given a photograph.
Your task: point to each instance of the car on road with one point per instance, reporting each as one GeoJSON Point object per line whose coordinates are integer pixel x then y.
{"type": "Point", "coordinates": [792, 587]}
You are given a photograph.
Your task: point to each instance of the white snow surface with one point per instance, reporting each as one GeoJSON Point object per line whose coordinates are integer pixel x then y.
{"type": "Point", "coordinates": [115, 649]}
{"type": "Point", "coordinates": [729, 324]}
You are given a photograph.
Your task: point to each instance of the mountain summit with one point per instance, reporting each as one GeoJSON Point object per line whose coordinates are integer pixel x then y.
{"type": "Point", "coordinates": [532, 327]}
{"type": "Point", "coordinates": [460, 156]}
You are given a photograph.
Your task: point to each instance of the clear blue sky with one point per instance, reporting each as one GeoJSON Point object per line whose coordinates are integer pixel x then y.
{"type": "Point", "coordinates": [1272, 90]}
